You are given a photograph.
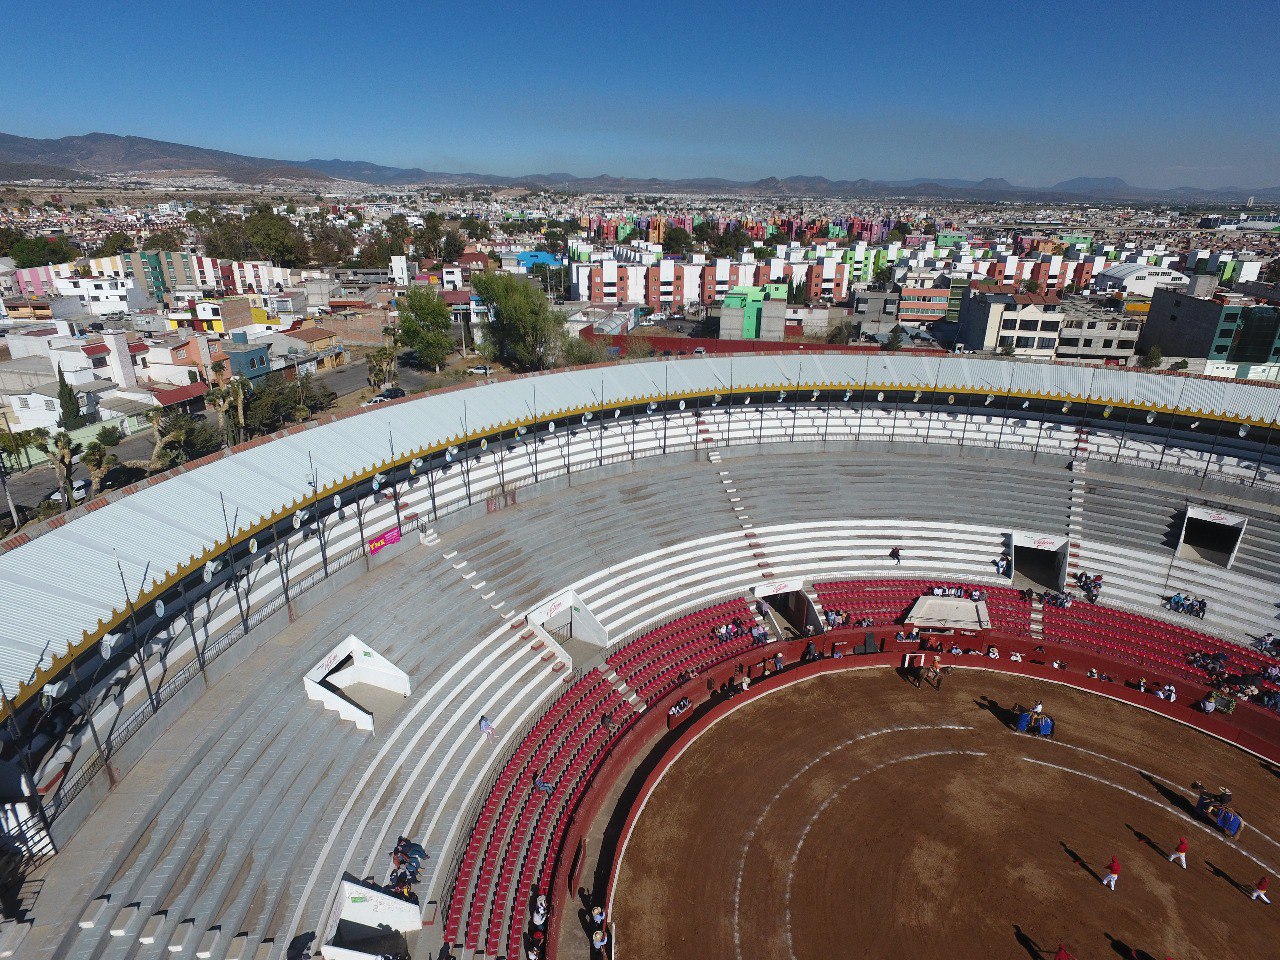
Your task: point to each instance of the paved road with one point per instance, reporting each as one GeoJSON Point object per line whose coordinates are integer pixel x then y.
{"type": "Point", "coordinates": [29, 487]}
{"type": "Point", "coordinates": [353, 375]}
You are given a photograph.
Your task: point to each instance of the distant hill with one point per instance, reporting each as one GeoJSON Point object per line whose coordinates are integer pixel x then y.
{"type": "Point", "coordinates": [39, 171]}
{"type": "Point", "coordinates": [99, 153]}
{"type": "Point", "coordinates": [67, 158]}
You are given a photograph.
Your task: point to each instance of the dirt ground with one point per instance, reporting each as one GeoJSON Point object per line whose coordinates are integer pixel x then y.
{"type": "Point", "coordinates": [851, 815]}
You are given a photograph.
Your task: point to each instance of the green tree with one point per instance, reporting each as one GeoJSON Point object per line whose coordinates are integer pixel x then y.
{"type": "Point", "coordinates": [896, 338]}
{"type": "Point", "coordinates": [199, 219]}
{"type": "Point", "coordinates": [636, 347]}
{"type": "Point", "coordinates": [883, 277]}
{"type": "Point", "coordinates": [397, 228]}
{"type": "Point", "coordinates": [425, 326]}
{"type": "Point", "coordinates": [70, 417]}
{"type": "Point", "coordinates": [170, 239]}
{"type": "Point", "coordinates": [579, 351]}
{"type": "Point", "coordinates": [731, 242]}
{"type": "Point", "coordinates": [1031, 286]}
{"type": "Point", "coordinates": [382, 366]}
{"type": "Point", "coordinates": [797, 294]}
{"type": "Point", "coordinates": [276, 238]}
{"type": "Point", "coordinates": [376, 250]}
{"type": "Point", "coordinates": [8, 237]}
{"type": "Point", "coordinates": [99, 461]}
{"type": "Point", "coordinates": [331, 243]}
{"type": "Point", "coordinates": [62, 452]}
{"type": "Point", "coordinates": [18, 444]}
{"type": "Point", "coordinates": [452, 246]}
{"type": "Point", "coordinates": [114, 243]}
{"type": "Point", "coordinates": [522, 332]}
{"type": "Point", "coordinates": [895, 236]}
{"type": "Point", "coordinates": [109, 436]}
{"type": "Point", "coordinates": [427, 240]}
{"type": "Point", "coordinates": [676, 240]}
{"type": "Point", "coordinates": [1152, 358]}
{"type": "Point", "coordinates": [39, 251]}
{"type": "Point", "coordinates": [475, 229]}
{"type": "Point", "coordinates": [226, 239]}
{"type": "Point", "coordinates": [277, 402]}
{"type": "Point", "coordinates": [1270, 273]}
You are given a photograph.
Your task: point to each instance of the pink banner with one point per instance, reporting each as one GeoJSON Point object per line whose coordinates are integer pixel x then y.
{"type": "Point", "coordinates": [383, 540]}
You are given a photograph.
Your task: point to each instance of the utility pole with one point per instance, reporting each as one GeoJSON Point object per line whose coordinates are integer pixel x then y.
{"type": "Point", "coordinates": [4, 470]}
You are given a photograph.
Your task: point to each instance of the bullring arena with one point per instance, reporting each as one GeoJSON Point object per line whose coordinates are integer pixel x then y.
{"type": "Point", "coordinates": [638, 638]}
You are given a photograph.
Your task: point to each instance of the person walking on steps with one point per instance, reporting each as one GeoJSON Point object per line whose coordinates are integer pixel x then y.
{"type": "Point", "coordinates": [488, 729]}
{"type": "Point", "coordinates": [896, 555]}
{"type": "Point", "coordinates": [1113, 874]}
{"type": "Point", "coordinates": [1180, 852]}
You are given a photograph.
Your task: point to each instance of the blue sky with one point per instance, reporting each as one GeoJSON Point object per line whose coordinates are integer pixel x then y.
{"type": "Point", "coordinates": [1160, 94]}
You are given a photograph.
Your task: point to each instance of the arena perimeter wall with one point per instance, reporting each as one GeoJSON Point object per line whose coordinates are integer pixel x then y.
{"type": "Point", "coordinates": [1251, 728]}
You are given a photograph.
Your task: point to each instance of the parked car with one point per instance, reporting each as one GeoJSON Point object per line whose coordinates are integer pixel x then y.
{"type": "Point", "coordinates": [481, 371]}
{"type": "Point", "coordinates": [699, 351]}
{"type": "Point", "coordinates": [374, 401]}
{"type": "Point", "coordinates": [392, 393]}
{"type": "Point", "coordinates": [79, 490]}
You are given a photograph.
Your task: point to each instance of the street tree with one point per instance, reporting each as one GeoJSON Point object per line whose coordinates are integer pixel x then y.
{"type": "Point", "coordinates": [382, 366]}
{"type": "Point", "coordinates": [677, 241]}
{"type": "Point", "coordinates": [426, 326]}
{"type": "Point", "coordinates": [114, 244]}
{"type": "Point", "coordinates": [70, 417]}
{"type": "Point", "coordinates": [452, 247]}
{"type": "Point", "coordinates": [99, 461]}
{"type": "Point", "coordinates": [522, 331]}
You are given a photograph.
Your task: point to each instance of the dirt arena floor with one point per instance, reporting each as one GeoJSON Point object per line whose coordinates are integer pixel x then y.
{"type": "Point", "coordinates": [851, 815]}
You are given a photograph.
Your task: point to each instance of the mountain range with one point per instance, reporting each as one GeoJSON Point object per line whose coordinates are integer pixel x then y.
{"type": "Point", "coordinates": [96, 154]}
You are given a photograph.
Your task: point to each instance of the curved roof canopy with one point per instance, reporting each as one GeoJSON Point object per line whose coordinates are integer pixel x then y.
{"type": "Point", "coordinates": [62, 588]}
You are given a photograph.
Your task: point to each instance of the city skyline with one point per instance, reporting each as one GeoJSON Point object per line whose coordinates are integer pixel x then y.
{"type": "Point", "coordinates": [673, 92]}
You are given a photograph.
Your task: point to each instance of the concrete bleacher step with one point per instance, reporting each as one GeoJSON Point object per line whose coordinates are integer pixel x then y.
{"type": "Point", "coordinates": [12, 935]}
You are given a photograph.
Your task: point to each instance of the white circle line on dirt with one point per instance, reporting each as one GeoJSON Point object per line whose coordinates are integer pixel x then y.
{"type": "Point", "coordinates": [1148, 774]}
{"type": "Point", "coordinates": [822, 808]}
{"type": "Point", "coordinates": [1155, 803]}
{"type": "Point", "coordinates": [755, 827]}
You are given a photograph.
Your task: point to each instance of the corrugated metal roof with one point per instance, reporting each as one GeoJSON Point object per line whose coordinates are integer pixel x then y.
{"type": "Point", "coordinates": [57, 587]}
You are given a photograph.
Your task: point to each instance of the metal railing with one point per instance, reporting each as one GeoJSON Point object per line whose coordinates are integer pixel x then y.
{"type": "Point", "coordinates": [553, 464]}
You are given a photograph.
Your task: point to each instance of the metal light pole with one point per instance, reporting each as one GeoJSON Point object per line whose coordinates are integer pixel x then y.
{"type": "Point", "coordinates": [133, 625]}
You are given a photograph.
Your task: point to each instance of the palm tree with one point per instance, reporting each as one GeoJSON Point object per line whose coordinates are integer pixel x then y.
{"type": "Point", "coordinates": [99, 461]}
{"type": "Point", "coordinates": [220, 399]}
{"type": "Point", "coordinates": [62, 452]}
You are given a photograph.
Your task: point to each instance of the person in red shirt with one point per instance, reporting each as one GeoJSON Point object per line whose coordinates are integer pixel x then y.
{"type": "Point", "coordinates": [1113, 874]}
{"type": "Point", "coordinates": [1260, 891]}
{"type": "Point", "coordinates": [1062, 954]}
{"type": "Point", "coordinates": [1180, 852]}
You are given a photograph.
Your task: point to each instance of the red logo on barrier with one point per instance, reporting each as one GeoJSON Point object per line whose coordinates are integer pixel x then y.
{"type": "Point", "coordinates": [383, 540]}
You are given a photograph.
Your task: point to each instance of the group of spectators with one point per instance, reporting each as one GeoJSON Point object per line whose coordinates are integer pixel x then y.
{"type": "Point", "coordinates": [1091, 585]}
{"type": "Point", "coordinates": [727, 632]}
{"type": "Point", "coordinates": [1187, 604]}
{"type": "Point", "coordinates": [406, 861]}
{"type": "Point", "coordinates": [837, 619]}
{"type": "Point", "coordinates": [972, 593]}
{"type": "Point", "coordinates": [1056, 598]}
{"type": "Point", "coordinates": [1166, 691]}
{"type": "Point", "coordinates": [536, 937]}
{"type": "Point", "coordinates": [1253, 686]}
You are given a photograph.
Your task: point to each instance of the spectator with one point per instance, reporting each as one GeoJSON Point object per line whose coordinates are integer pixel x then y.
{"type": "Point", "coordinates": [540, 910]}
{"type": "Point", "coordinates": [896, 555]}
